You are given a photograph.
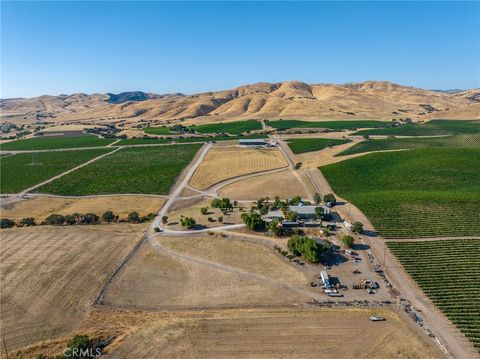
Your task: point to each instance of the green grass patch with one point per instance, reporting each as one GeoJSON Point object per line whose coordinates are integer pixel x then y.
{"type": "Point", "coordinates": [18, 172]}
{"type": "Point", "coordinates": [234, 128]}
{"type": "Point", "coordinates": [150, 141]}
{"type": "Point", "coordinates": [431, 128]}
{"type": "Point", "coordinates": [419, 193]}
{"type": "Point", "coordinates": [150, 170]}
{"type": "Point", "coordinates": [302, 145]}
{"type": "Point", "coordinates": [51, 143]}
{"type": "Point", "coordinates": [384, 144]}
{"type": "Point", "coordinates": [448, 272]}
{"type": "Point", "coordinates": [332, 125]}
{"type": "Point", "coordinates": [161, 130]}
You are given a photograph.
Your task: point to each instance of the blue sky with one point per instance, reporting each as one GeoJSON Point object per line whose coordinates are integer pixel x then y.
{"type": "Point", "coordinates": [68, 47]}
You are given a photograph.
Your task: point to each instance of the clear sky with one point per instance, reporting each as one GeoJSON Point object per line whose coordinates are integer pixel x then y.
{"type": "Point", "coordinates": [67, 47]}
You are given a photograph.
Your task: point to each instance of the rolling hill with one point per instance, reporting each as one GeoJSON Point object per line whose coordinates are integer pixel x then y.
{"type": "Point", "coordinates": [290, 99]}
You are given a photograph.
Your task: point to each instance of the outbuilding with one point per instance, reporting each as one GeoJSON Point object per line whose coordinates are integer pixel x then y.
{"type": "Point", "coordinates": [257, 142]}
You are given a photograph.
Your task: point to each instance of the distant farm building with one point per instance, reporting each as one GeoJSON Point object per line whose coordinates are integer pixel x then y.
{"type": "Point", "coordinates": [260, 142]}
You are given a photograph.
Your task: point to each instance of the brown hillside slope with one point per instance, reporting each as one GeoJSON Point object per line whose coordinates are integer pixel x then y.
{"type": "Point", "coordinates": [290, 99]}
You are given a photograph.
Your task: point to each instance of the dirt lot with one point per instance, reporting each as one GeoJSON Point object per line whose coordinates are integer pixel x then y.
{"type": "Point", "coordinates": [283, 184]}
{"type": "Point", "coordinates": [42, 207]}
{"type": "Point", "coordinates": [51, 275]}
{"type": "Point", "coordinates": [207, 272]}
{"type": "Point", "coordinates": [222, 163]}
{"type": "Point", "coordinates": [261, 333]}
{"type": "Point", "coordinates": [202, 219]}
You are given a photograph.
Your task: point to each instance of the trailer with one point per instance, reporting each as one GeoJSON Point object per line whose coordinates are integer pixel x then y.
{"type": "Point", "coordinates": [325, 279]}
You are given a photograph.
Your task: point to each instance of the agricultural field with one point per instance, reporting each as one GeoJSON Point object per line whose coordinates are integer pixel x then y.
{"type": "Point", "coordinates": [430, 128]}
{"type": "Point", "coordinates": [384, 144]}
{"type": "Point", "coordinates": [147, 170]}
{"type": "Point", "coordinates": [51, 275]}
{"type": "Point", "coordinates": [448, 271]}
{"type": "Point", "coordinates": [224, 163]}
{"type": "Point", "coordinates": [276, 333]}
{"type": "Point", "coordinates": [50, 143]}
{"type": "Point", "coordinates": [161, 130]}
{"type": "Point", "coordinates": [283, 184]}
{"type": "Point", "coordinates": [418, 193]}
{"type": "Point", "coordinates": [333, 125]}
{"type": "Point", "coordinates": [18, 172]}
{"type": "Point", "coordinates": [41, 207]}
{"type": "Point", "coordinates": [302, 145]}
{"type": "Point", "coordinates": [150, 141]}
{"type": "Point", "coordinates": [234, 128]}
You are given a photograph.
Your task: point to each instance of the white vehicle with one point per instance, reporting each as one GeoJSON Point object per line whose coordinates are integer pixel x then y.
{"type": "Point", "coordinates": [348, 225]}
{"type": "Point", "coordinates": [377, 319]}
{"type": "Point", "coordinates": [325, 279]}
{"type": "Point", "coordinates": [332, 293]}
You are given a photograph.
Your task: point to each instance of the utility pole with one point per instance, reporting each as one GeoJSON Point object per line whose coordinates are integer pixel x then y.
{"type": "Point", "coordinates": [5, 346]}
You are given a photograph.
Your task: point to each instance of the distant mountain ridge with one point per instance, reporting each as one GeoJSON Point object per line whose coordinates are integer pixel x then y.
{"type": "Point", "coordinates": [289, 99]}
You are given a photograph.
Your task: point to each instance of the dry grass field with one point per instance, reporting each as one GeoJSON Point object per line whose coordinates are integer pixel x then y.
{"type": "Point", "coordinates": [287, 333]}
{"type": "Point", "coordinates": [202, 219]}
{"type": "Point", "coordinates": [228, 162]}
{"type": "Point", "coordinates": [201, 272]}
{"type": "Point", "coordinates": [41, 207]}
{"type": "Point", "coordinates": [323, 157]}
{"type": "Point", "coordinates": [283, 184]}
{"type": "Point", "coordinates": [51, 275]}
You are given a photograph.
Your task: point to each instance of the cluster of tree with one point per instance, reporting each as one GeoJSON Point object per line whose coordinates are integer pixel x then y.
{"type": "Point", "coordinates": [181, 129]}
{"type": "Point", "coordinates": [81, 347]}
{"type": "Point", "coordinates": [224, 204]}
{"type": "Point", "coordinates": [108, 131]}
{"type": "Point", "coordinates": [188, 222]}
{"type": "Point", "coordinates": [253, 220]}
{"type": "Point", "coordinates": [75, 218]}
{"type": "Point", "coordinates": [307, 247]}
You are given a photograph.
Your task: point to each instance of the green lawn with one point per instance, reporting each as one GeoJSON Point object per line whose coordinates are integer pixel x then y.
{"type": "Point", "coordinates": [383, 144]}
{"type": "Point", "coordinates": [18, 172]}
{"type": "Point", "coordinates": [431, 128]}
{"type": "Point", "coordinates": [234, 128]}
{"type": "Point", "coordinates": [50, 143]}
{"type": "Point", "coordinates": [148, 141]}
{"type": "Point", "coordinates": [449, 273]}
{"type": "Point", "coordinates": [162, 130]}
{"type": "Point", "coordinates": [418, 193]}
{"type": "Point", "coordinates": [333, 125]}
{"type": "Point", "coordinates": [151, 170]}
{"type": "Point", "coordinates": [302, 145]}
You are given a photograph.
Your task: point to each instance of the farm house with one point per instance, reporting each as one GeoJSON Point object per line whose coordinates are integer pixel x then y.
{"type": "Point", "coordinates": [309, 213]}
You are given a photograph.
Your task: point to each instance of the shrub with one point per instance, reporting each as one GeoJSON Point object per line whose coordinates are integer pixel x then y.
{"type": "Point", "coordinates": [291, 216]}
{"type": "Point", "coordinates": [164, 219]}
{"type": "Point", "coordinates": [27, 222]}
{"type": "Point", "coordinates": [357, 227]}
{"type": "Point", "coordinates": [210, 219]}
{"type": "Point", "coordinates": [108, 216]}
{"type": "Point", "coordinates": [156, 229]}
{"type": "Point", "coordinates": [317, 198]}
{"type": "Point", "coordinates": [298, 165]}
{"type": "Point", "coordinates": [6, 223]}
{"type": "Point", "coordinates": [90, 218]}
{"type": "Point", "coordinates": [220, 219]}
{"type": "Point", "coordinates": [133, 217]}
{"type": "Point", "coordinates": [348, 241]}
{"type": "Point", "coordinates": [188, 222]}
{"type": "Point", "coordinates": [70, 219]}
{"type": "Point", "coordinates": [330, 198]}
{"type": "Point", "coordinates": [203, 210]}
{"type": "Point", "coordinates": [55, 220]}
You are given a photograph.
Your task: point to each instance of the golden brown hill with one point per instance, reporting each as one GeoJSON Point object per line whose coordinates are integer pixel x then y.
{"type": "Point", "coordinates": [290, 99]}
